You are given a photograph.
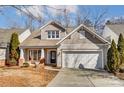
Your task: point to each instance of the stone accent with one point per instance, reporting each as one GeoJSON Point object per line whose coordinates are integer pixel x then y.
{"type": "Point", "coordinates": [2, 63]}
{"type": "Point", "coordinates": [21, 61]}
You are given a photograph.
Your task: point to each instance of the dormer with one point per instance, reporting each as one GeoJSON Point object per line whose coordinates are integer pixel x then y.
{"type": "Point", "coordinates": [52, 31]}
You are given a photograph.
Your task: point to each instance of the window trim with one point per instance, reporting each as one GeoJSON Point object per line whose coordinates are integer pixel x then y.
{"type": "Point", "coordinates": [31, 54]}
{"type": "Point", "coordinates": [52, 34]}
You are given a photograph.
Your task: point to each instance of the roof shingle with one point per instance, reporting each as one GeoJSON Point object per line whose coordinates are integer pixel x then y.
{"type": "Point", "coordinates": [5, 35]}
{"type": "Point", "coordinates": [117, 28]}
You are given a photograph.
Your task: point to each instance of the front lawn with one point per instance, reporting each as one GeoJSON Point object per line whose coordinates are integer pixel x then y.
{"type": "Point", "coordinates": [25, 77]}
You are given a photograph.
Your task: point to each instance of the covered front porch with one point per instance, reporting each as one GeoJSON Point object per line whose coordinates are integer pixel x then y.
{"type": "Point", "coordinates": [35, 55]}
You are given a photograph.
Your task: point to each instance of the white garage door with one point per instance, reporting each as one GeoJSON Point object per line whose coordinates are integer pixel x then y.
{"type": "Point", "coordinates": [84, 59]}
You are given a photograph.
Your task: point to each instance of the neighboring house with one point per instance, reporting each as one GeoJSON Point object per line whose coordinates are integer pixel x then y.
{"type": "Point", "coordinates": [5, 36]}
{"type": "Point", "coordinates": [73, 48]}
{"type": "Point", "coordinates": [112, 31]}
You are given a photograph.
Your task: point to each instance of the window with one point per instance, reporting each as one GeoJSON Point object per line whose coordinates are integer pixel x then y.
{"type": "Point", "coordinates": [49, 34]}
{"type": "Point", "coordinates": [82, 34]}
{"type": "Point", "coordinates": [53, 34]}
{"type": "Point", "coordinates": [39, 54]}
{"type": "Point", "coordinates": [34, 54]}
{"type": "Point", "coordinates": [57, 34]}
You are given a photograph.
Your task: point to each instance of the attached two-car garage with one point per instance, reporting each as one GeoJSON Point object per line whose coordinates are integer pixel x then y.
{"type": "Point", "coordinates": [83, 59]}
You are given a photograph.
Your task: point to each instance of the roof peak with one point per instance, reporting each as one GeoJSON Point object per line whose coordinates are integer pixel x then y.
{"type": "Point", "coordinates": [52, 22]}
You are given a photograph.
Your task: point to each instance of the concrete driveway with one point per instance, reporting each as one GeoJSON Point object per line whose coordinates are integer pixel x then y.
{"type": "Point", "coordinates": [85, 78]}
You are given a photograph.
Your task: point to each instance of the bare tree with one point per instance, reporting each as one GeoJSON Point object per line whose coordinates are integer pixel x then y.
{"type": "Point", "coordinates": [82, 16]}
{"type": "Point", "coordinates": [92, 17]}
{"type": "Point", "coordinates": [98, 16]}
{"type": "Point", "coordinates": [63, 16]}
{"type": "Point", "coordinates": [30, 17]}
{"type": "Point", "coordinates": [66, 18]}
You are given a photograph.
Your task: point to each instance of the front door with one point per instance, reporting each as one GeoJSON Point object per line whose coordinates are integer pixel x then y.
{"type": "Point", "coordinates": [53, 56]}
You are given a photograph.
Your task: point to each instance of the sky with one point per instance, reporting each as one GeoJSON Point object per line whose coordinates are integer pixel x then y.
{"type": "Point", "coordinates": [10, 17]}
{"type": "Point", "coordinates": [113, 10]}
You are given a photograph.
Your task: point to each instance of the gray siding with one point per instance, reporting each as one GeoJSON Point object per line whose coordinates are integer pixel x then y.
{"type": "Point", "coordinates": [2, 53]}
{"type": "Point", "coordinates": [75, 42]}
{"type": "Point", "coordinates": [44, 34]}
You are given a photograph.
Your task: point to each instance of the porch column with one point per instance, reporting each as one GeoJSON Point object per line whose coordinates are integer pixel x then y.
{"type": "Point", "coordinates": [42, 59]}
{"type": "Point", "coordinates": [21, 53]}
{"type": "Point", "coordinates": [21, 59]}
{"type": "Point", "coordinates": [42, 53]}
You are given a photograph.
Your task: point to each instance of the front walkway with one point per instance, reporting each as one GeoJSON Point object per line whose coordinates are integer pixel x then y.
{"type": "Point", "coordinates": [84, 78]}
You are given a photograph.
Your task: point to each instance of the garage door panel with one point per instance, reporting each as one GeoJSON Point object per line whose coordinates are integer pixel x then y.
{"type": "Point", "coordinates": [82, 60]}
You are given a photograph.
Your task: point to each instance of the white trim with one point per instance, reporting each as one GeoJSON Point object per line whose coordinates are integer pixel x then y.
{"type": "Point", "coordinates": [103, 61]}
{"type": "Point", "coordinates": [88, 44]}
{"type": "Point", "coordinates": [69, 34]}
{"type": "Point", "coordinates": [51, 34]}
{"type": "Point", "coordinates": [81, 50]}
{"type": "Point", "coordinates": [45, 25]}
{"type": "Point", "coordinates": [31, 54]}
{"type": "Point", "coordinates": [48, 56]}
{"type": "Point", "coordinates": [42, 53]}
{"type": "Point", "coordinates": [99, 50]}
{"type": "Point", "coordinates": [53, 38]}
{"type": "Point", "coordinates": [102, 39]}
{"type": "Point", "coordinates": [21, 53]}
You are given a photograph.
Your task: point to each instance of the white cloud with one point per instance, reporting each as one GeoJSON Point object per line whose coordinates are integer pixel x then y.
{"type": "Point", "coordinates": [36, 11]}
{"type": "Point", "coordinates": [55, 9]}
{"type": "Point", "coordinates": [40, 12]}
{"type": "Point", "coordinates": [72, 8]}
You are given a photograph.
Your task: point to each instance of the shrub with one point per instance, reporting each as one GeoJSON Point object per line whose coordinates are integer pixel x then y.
{"type": "Point", "coordinates": [121, 48]}
{"type": "Point", "coordinates": [25, 64]}
{"type": "Point", "coordinates": [13, 62]}
{"type": "Point", "coordinates": [113, 60]}
{"type": "Point", "coordinates": [42, 60]}
{"type": "Point", "coordinates": [14, 47]}
{"type": "Point", "coordinates": [121, 68]}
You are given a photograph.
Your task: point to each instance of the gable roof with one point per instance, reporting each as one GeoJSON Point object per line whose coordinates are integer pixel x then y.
{"type": "Point", "coordinates": [89, 30]}
{"type": "Point", "coordinates": [53, 22]}
{"type": "Point", "coordinates": [34, 40]}
{"type": "Point", "coordinates": [117, 28]}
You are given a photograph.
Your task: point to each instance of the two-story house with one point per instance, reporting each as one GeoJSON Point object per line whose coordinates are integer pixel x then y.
{"type": "Point", "coordinates": [73, 48]}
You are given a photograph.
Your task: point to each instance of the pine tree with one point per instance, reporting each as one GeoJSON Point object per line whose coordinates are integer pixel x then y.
{"type": "Point", "coordinates": [121, 48]}
{"type": "Point", "coordinates": [14, 48]}
{"type": "Point", "coordinates": [113, 57]}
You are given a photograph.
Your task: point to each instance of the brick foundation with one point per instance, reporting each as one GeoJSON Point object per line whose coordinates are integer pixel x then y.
{"type": "Point", "coordinates": [2, 63]}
